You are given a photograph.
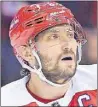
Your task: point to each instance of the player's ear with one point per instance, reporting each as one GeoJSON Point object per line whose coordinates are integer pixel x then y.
{"type": "Point", "coordinates": [26, 53]}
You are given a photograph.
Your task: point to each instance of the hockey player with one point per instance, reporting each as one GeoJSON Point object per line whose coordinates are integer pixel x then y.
{"type": "Point", "coordinates": [47, 41]}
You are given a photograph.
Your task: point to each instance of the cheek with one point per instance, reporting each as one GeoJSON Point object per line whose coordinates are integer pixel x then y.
{"type": "Point", "coordinates": [50, 57]}
{"type": "Point", "coordinates": [51, 52]}
{"type": "Point", "coordinates": [74, 46]}
{"type": "Point", "coordinates": [75, 50]}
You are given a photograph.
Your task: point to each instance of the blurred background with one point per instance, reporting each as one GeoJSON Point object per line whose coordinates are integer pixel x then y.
{"type": "Point", "coordinates": [85, 12]}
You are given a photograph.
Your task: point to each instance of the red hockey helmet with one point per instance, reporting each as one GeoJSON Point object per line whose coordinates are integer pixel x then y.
{"type": "Point", "coordinates": [32, 19]}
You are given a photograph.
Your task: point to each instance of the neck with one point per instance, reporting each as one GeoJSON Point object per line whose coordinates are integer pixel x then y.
{"type": "Point", "coordinates": [43, 89]}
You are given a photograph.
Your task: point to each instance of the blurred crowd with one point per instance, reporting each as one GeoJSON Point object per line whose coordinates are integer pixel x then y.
{"type": "Point", "coordinates": [85, 12]}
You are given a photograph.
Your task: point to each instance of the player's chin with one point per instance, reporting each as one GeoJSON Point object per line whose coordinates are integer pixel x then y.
{"type": "Point", "coordinates": [68, 68]}
{"type": "Point", "coordinates": [65, 76]}
{"type": "Point", "coordinates": [69, 72]}
{"type": "Point", "coordinates": [64, 80]}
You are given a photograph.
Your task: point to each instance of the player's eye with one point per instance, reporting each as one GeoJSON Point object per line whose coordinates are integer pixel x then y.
{"type": "Point", "coordinates": [71, 35]}
{"type": "Point", "coordinates": [54, 36]}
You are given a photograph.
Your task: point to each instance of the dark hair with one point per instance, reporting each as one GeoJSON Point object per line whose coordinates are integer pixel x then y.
{"type": "Point", "coordinates": [24, 72]}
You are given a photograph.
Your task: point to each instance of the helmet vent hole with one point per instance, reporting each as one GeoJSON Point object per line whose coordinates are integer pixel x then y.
{"type": "Point", "coordinates": [29, 10]}
{"type": "Point", "coordinates": [39, 20]}
{"type": "Point", "coordinates": [32, 22]}
{"type": "Point", "coordinates": [29, 25]}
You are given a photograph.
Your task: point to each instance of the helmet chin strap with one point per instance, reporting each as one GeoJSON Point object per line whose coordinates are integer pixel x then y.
{"type": "Point", "coordinates": [39, 70]}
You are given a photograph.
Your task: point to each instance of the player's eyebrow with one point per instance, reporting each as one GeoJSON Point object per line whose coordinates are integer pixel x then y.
{"type": "Point", "coordinates": [53, 30]}
{"type": "Point", "coordinates": [48, 31]}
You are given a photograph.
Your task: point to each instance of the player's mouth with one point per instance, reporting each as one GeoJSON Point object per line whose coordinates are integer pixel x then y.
{"type": "Point", "coordinates": [67, 58]}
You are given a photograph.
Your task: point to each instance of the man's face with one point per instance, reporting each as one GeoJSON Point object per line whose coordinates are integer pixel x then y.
{"type": "Point", "coordinates": [57, 50]}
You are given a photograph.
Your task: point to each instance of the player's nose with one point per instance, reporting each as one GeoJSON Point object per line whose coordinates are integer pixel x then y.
{"type": "Point", "coordinates": [65, 45]}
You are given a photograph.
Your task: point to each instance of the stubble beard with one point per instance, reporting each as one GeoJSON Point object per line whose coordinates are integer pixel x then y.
{"type": "Point", "coordinates": [60, 76]}
{"type": "Point", "coordinates": [56, 74]}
